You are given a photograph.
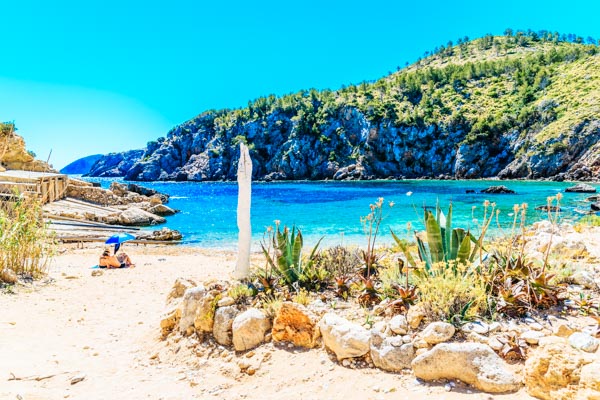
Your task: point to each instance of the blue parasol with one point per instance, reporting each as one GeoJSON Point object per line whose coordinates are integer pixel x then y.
{"type": "Point", "coordinates": [118, 239]}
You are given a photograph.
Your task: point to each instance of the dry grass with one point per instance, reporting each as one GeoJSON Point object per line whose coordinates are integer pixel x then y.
{"type": "Point", "coordinates": [25, 242]}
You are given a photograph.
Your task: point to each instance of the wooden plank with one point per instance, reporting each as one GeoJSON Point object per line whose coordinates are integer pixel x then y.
{"type": "Point", "coordinates": [67, 239]}
{"type": "Point", "coordinates": [61, 218]}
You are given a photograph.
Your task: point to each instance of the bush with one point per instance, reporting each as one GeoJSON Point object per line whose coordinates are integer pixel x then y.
{"type": "Point", "coordinates": [27, 244]}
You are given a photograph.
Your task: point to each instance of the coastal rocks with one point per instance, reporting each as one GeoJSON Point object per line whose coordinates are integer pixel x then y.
{"type": "Point", "coordinates": [343, 337]}
{"type": "Point", "coordinates": [473, 363]}
{"type": "Point", "coordinates": [350, 172]}
{"type": "Point", "coordinates": [390, 353]}
{"type": "Point", "coordinates": [581, 188]}
{"type": "Point", "coordinates": [161, 210]}
{"type": "Point", "coordinates": [438, 332]}
{"type": "Point", "coordinates": [554, 371]}
{"type": "Point", "coordinates": [223, 325]}
{"type": "Point", "coordinates": [164, 234]}
{"type": "Point", "coordinates": [14, 154]}
{"type": "Point", "coordinates": [138, 217]}
{"type": "Point", "coordinates": [583, 341]}
{"type": "Point", "coordinates": [8, 276]}
{"type": "Point", "coordinates": [294, 323]}
{"type": "Point", "coordinates": [249, 329]}
{"type": "Point", "coordinates": [498, 190]}
{"type": "Point", "coordinates": [115, 164]}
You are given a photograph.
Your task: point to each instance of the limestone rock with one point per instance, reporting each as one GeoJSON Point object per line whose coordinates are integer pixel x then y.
{"type": "Point", "coordinates": [399, 325]}
{"type": "Point", "coordinates": [162, 210]}
{"type": "Point", "coordinates": [563, 330]}
{"type": "Point", "coordinates": [473, 363]}
{"type": "Point", "coordinates": [294, 323]}
{"type": "Point", "coordinates": [134, 216]}
{"type": "Point", "coordinates": [479, 327]}
{"type": "Point", "coordinates": [169, 320]}
{"type": "Point", "coordinates": [8, 276]}
{"type": "Point", "coordinates": [189, 306]}
{"type": "Point", "coordinates": [179, 288]}
{"type": "Point", "coordinates": [249, 329]}
{"type": "Point", "coordinates": [554, 370]}
{"type": "Point", "coordinates": [583, 341]}
{"type": "Point", "coordinates": [581, 188]}
{"type": "Point", "coordinates": [222, 327]}
{"type": "Point", "coordinates": [344, 338]}
{"type": "Point", "coordinates": [205, 312]}
{"type": "Point", "coordinates": [390, 353]}
{"type": "Point", "coordinates": [415, 315]}
{"type": "Point", "coordinates": [438, 332]}
{"type": "Point", "coordinates": [584, 278]}
{"type": "Point", "coordinates": [498, 190]}
{"type": "Point", "coordinates": [532, 337]}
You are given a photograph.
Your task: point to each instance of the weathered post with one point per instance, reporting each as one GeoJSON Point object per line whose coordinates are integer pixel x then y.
{"type": "Point", "coordinates": [244, 178]}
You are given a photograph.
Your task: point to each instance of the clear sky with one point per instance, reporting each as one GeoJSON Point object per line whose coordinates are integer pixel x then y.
{"type": "Point", "coordinates": [86, 77]}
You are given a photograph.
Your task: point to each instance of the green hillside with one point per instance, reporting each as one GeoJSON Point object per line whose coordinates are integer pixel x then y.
{"type": "Point", "coordinates": [523, 105]}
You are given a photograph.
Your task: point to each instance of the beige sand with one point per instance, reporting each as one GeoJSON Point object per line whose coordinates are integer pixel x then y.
{"type": "Point", "coordinates": [105, 329]}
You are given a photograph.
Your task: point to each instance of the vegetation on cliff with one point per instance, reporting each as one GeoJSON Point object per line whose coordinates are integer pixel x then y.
{"type": "Point", "coordinates": [520, 105]}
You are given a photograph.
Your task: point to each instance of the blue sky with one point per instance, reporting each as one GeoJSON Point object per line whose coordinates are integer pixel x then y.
{"type": "Point", "coordinates": [86, 77]}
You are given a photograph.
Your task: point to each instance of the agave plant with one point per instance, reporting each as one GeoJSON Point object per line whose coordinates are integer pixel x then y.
{"type": "Point", "coordinates": [286, 259]}
{"type": "Point", "coordinates": [440, 243]}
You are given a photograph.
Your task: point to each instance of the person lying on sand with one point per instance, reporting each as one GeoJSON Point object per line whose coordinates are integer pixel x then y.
{"type": "Point", "coordinates": [121, 260]}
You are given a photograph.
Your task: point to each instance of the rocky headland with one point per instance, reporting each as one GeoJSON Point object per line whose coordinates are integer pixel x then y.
{"type": "Point", "coordinates": [522, 106]}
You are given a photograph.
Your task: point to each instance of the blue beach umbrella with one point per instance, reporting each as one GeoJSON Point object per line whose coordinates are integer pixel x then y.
{"type": "Point", "coordinates": [118, 239]}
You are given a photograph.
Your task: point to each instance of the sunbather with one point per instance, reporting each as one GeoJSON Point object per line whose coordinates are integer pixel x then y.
{"type": "Point", "coordinates": [121, 260]}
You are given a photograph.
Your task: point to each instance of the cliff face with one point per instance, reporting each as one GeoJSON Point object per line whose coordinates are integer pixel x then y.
{"type": "Point", "coordinates": [13, 153]}
{"type": "Point", "coordinates": [114, 164]}
{"type": "Point", "coordinates": [512, 107]}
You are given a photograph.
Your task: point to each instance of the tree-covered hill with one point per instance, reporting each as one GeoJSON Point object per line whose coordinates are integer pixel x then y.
{"type": "Point", "coordinates": [523, 105]}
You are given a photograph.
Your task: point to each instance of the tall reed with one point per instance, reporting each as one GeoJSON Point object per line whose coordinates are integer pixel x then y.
{"type": "Point", "coordinates": [26, 243]}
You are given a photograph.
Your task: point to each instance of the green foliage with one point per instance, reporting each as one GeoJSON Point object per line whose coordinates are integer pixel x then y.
{"type": "Point", "coordinates": [443, 244]}
{"type": "Point", "coordinates": [283, 253]}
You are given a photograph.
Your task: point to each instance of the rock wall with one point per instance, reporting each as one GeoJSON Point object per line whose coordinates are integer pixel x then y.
{"type": "Point", "coordinates": [14, 155]}
{"type": "Point", "coordinates": [349, 146]}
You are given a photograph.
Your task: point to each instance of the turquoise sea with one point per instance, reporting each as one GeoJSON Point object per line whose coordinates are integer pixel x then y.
{"type": "Point", "coordinates": [333, 209]}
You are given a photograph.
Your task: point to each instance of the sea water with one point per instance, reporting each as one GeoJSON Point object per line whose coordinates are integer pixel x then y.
{"type": "Point", "coordinates": [332, 210]}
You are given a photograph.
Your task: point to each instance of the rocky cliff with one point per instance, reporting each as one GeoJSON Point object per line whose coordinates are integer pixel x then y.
{"type": "Point", "coordinates": [115, 164]}
{"type": "Point", "coordinates": [522, 106]}
{"type": "Point", "coordinates": [14, 154]}
{"type": "Point", "coordinates": [81, 166]}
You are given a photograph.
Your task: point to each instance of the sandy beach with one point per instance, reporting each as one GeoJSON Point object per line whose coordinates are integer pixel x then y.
{"type": "Point", "coordinates": [103, 331]}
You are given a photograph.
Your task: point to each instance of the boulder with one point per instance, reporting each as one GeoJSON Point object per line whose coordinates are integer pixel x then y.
{"type": "Point", "coordinates": [8, 276]}
{"type": "Point", "coordinates": [438, 332]}
{"type": "Point", "coordinates": [344, 338]}
{"type": "Point", "coordinates": [249, 329]}
{"type": "Point", "coordinates": [473, 363]}
{"type": "Point", "coordinates": [222, 327]}
{"type": "Point", "coordinates": [415, 315]}
{"type": "Point", "coordinates": [584, 278]}
{"type": "Point", "coordinates": [501, 189]}
{"type": "Point", "coordinates": [205, 312]}
{"type": "Point", "coordinates": [554, 371]}
{"type": "Point", "coordinates": [164, 234]}
{"type": "Point", "coordinates": [399, 325]}
{"type": "Point", "coordinates": [583, 341]}
{"type": "Point", "coordinates": [170, 319]}
{"type": "Point", "coordinates": [294, 323]}
{"type": "Point", "coordinates": [190, 302]}
{"type": "Point", "coordinates": [581, 188]}
{"type": "Point", "coordinates": [532, 337]}
{"type": "Point", "coordinates": [162, 210]}
{"type": "Point", "coordinates": [390, 353]}
{"type": "Point", "coordinates": [134, 216]}
{"type": "Point", "coordinates": [179, 288]}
